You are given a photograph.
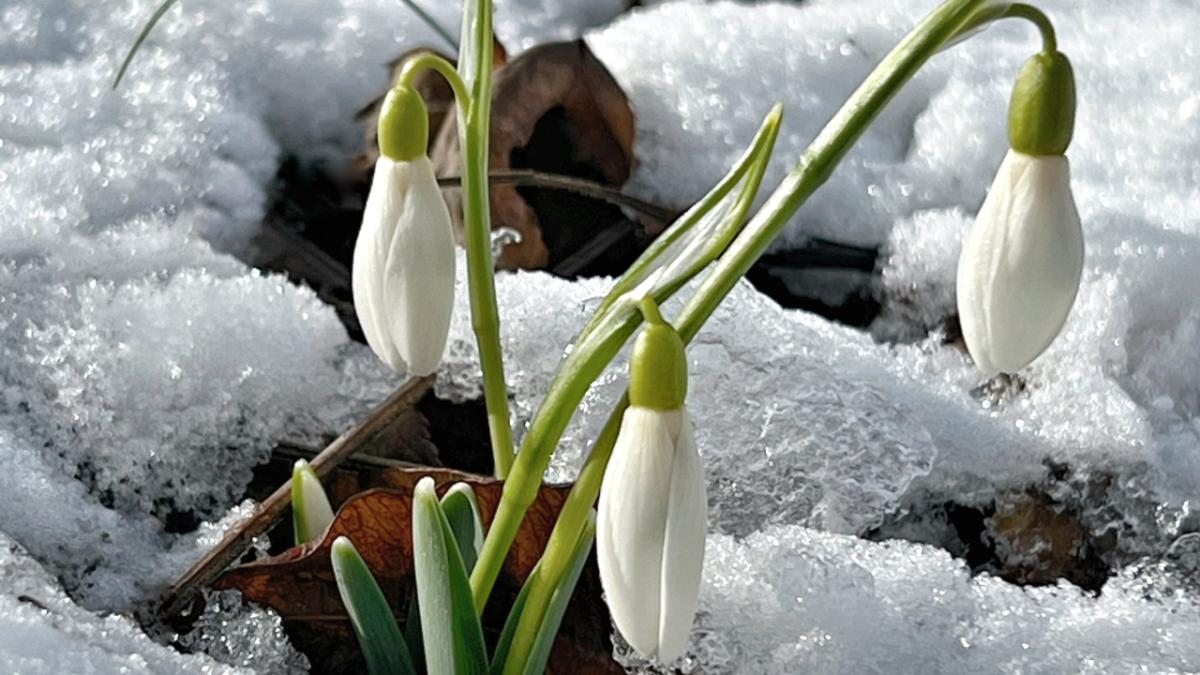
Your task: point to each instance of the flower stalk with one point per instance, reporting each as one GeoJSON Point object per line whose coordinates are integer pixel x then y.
{"type": "Point", "coordinates": [472, 86]}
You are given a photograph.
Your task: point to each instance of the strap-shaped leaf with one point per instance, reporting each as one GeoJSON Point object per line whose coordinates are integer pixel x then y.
{"type": "Point", "coordinates": [449, 625]}
{"type": "Point", "coordinates": [462, 512]}
{"type": "Point", "coordinates": [379, 637]}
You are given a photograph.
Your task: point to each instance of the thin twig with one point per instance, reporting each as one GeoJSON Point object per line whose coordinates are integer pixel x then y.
{"type": "Point", "coordinates": [587, 188]}
{"type": "Point", "coordinates": [239, 539]}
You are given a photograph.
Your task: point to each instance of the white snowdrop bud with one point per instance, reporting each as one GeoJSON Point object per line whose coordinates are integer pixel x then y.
{"type": "Point", "coordinates": [403, 274]}
{"type": "Point", "coordinates": [653, 511]}
{"type": "Point", "coordinates": [1021, 263]}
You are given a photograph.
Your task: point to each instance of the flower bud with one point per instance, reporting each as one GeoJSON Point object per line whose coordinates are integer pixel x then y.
{"type": "Point", "coordinates": [652, 516]}
{"type": "Point", "coordinates": [1020, 264]}
{"type": "Point", "coordinates": [403, 273]}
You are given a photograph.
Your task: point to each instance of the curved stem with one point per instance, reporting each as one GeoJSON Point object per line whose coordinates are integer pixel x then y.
{"type": "Point", "coordinates": [1019, 10]}
{"type": "Point", "coordinates": [430, 61]}
{"type": "Point", "coordinates": [947, 23]}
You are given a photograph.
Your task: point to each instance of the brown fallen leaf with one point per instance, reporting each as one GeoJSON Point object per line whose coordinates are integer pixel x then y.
{"type": "Point", "coordinates": [299, 583]}
{"type": "Point", "coordinates": [556, 109]}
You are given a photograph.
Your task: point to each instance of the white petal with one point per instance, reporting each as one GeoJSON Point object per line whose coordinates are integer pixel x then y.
{"type": "Point", "coordinates": [418, 278]}
{"type": "Point", "coordinates": [380, 216]}
{"type": "Point", "coordinates": [683, 546]}
{"type": "Point", "coordinates": [630, 524]}
{"type": "Point", "coordinates": [1021, 262]}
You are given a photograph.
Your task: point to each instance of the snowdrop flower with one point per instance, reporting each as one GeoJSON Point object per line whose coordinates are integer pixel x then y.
{"type": "Point", "coordinates": [653, 509]}
{"type": "Point", "coordinates": [1020, 266]}
{"type": "Point", "coordinates": [403, 273]}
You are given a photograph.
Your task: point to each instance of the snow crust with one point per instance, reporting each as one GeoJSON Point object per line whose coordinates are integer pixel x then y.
{"type": "Point", "coordinates": [144, 370]}
{"type": "Point", "coordinates": [43, 633]}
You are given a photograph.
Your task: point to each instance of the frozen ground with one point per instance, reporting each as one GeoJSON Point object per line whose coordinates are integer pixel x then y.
{"type": "Point", "coordinates": [144, 370]}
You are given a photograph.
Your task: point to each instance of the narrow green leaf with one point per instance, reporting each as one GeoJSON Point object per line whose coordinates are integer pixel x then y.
{"type": "Point", "coordinates": [462, 512]}
{"type": "Point", "coordinates": [449, 625]}
{"type": "Point", "coordinates": [378, 635]}
{"type": "Point", "coordinates": [311, 512]}
{"type": "Point", "coordinates": [137, 43]}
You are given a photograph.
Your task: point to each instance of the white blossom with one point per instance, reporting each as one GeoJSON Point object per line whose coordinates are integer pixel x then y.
{"type": "Point", "coordinates": [1021, 263]}
{"type": "Point", "coordinates": [403, 276]}
{"type": "Point", "coordinates": [650, 530]}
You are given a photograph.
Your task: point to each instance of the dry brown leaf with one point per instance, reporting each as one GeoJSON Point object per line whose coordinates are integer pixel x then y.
{"type": "Point", "coordinates": [562, 92]}
{"type": "Point", "coordinates": [299, 583]}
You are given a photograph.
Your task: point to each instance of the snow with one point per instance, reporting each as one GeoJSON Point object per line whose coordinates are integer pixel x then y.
{"type": "Point", "coordinates": [144, 369]}
{"type": "Point", "coordinates": [43, 633]}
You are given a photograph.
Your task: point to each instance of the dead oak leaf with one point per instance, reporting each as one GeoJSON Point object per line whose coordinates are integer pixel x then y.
{"type": "Point", "coordinates": [299, 584]}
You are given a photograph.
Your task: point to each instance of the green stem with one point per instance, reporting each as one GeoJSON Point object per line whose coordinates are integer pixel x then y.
{"type": "Point", "coordinates": [1034, 15]}
{"type": "Point", "coordinates": [430, 61]}
{"type": "Point", "coordinates": [474, 106]}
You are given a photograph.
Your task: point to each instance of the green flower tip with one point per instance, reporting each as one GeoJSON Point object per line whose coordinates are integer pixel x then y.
{"type": "Point", "coordinates": [403, 125]}
{"type": "Point", "coordinates": [1041, 115]}
{"type": "Point", "coordinates": [658, 366]}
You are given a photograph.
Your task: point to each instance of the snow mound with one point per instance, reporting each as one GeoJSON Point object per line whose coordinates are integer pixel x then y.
{"type": "Point", "coordinates": [43, 633]}
{"type": "Point", "coordinates": [790, 599]}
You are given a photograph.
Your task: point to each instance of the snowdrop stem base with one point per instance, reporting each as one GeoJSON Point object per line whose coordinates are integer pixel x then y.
{"type": "Point", "coordinates": [474, 106]}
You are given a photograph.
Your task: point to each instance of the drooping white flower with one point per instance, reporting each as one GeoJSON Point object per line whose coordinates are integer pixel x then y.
{"type": "Point", "coordinates": [1020, 266]}
{"type": "Point", "coordinates": [650, 530]}
{"type": "Point", "coordinates": [403, 274]}
{"type": "Point", "coordinates": [652, 517]}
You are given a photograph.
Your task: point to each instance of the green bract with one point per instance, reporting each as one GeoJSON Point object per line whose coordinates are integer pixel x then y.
{"type": "Point", "coordinates": [658, 365]}
{"type": "Point", "coordinates": [1041, 115]}
{"type": "Point", "coordinates": [403, 125]}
